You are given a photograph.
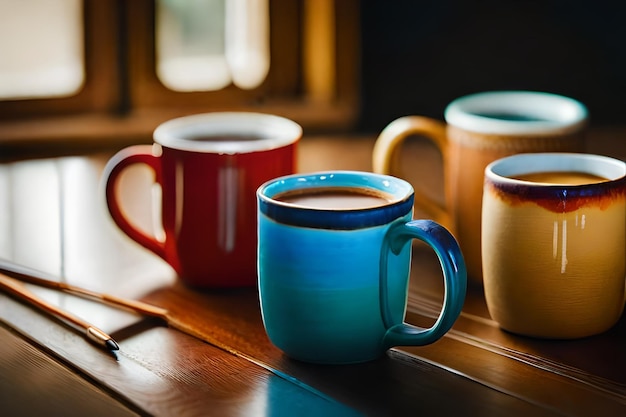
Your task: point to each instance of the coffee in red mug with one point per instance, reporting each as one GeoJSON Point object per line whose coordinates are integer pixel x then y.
{"type": "Point", "coordinates": [208, 167]}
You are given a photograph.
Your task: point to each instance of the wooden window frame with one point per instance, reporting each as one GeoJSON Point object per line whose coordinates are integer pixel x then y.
{"type": "Point", "coordinates": [313, 79]}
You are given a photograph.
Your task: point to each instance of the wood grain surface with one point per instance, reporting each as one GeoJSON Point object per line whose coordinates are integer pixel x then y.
{"type": "Point", "coordinates": [53, 218]}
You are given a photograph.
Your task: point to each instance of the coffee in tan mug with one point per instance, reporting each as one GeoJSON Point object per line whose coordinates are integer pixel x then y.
{"type": "Point", "coordinates": [553, 243]}
{"type": "Point", "coordinates": [479, 129]}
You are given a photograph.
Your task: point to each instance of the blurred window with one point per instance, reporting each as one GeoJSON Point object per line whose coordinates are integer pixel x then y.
{"type": "Point", "coordinates": [87, 73]}
{"type": "Point", "coordinates": [206, 45]}
{"type": "Point", "coordinates": [41, 48]}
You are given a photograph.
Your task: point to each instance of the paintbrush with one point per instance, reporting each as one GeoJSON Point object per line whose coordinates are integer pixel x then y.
{"type": "Point", "coordinates": [41, 279]}
{"type": "Point", "coordinates": [38, 278]}
{"type": "Point", "coordinates": [92, 333]}
{"type": "Point", "coordinates": [31, 276]}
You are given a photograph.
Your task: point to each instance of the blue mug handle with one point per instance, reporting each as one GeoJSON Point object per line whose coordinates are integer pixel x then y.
{"type": "Point", "coordinates": [454, 276]}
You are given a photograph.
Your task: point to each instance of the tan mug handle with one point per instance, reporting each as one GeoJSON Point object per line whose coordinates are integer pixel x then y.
{"type": "Point", "coordinates": [388, 144]}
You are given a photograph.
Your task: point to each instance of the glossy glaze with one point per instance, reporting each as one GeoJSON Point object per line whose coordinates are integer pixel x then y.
{"type": "Point", "coordinates": [469, 140]}
{"type": "Point", "coordinates": [333, 283]}
{"type": "Point", "coordinates": [56, 203]}
{"type": "Point", "coordinates": [553, 256]}
{"type": "Point", "coordinates": [207, 194]}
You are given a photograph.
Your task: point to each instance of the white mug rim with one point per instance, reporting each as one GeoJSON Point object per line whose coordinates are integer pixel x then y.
{"type": "Point", "coordinates": [501, 170]}
{"type": "Point", "coordinates": [555, 113]}
{"type": "Point", "coordinates": [273, 131]}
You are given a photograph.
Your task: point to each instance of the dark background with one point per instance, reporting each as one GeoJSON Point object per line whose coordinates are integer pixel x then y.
{"type": "Point", "coordinates": [419, 55]}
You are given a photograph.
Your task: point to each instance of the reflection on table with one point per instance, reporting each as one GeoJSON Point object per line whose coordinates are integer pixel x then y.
{"type": "Point", "coordinates": [53, 218]}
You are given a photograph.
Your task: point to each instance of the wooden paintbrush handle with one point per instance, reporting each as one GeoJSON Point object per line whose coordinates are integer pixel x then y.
{"type": "Point", "coordinates": [31, 276]}
{"type": "Point", "coordinates": [19, 291]}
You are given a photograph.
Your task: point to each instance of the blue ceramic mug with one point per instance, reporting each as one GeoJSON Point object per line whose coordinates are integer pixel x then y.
{"type": "Point", "coordinates": [334, 251]}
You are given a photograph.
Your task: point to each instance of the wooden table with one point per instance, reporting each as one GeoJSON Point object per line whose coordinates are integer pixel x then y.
{"type": "Point", "coordinates": [53, 218]}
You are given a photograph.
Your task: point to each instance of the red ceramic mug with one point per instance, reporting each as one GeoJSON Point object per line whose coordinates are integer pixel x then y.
{"type": "Point", "coordinates": [208, 167]}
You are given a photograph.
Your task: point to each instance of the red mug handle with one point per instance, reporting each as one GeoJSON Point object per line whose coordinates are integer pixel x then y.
{"type": "Point", "coordinates": [139, 154]}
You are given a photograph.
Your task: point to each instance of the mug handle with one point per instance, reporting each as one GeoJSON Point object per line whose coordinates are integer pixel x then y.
{"type": "Point", "coordinates": [386, 152]}
{"type": "Point", "coordinates": [454, 277]}
{"type": "Point", "coordinates": [138, 154]}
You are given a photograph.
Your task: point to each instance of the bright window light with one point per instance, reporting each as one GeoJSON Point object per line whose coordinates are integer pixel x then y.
{"type": "Point", "coordinates": [206, 45]}
{"type": "Point", "coordinates": [41, 48]}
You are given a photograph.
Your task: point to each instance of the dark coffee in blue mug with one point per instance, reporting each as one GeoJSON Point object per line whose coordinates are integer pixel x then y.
{"type": "Point", "coordinates": [334, 252]}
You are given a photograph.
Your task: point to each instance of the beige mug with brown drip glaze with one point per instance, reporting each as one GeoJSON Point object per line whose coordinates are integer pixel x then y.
{"type": "Point", "coordinates": [553, 243]}
{"type": "Point", "coordinates": [479, 129]}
